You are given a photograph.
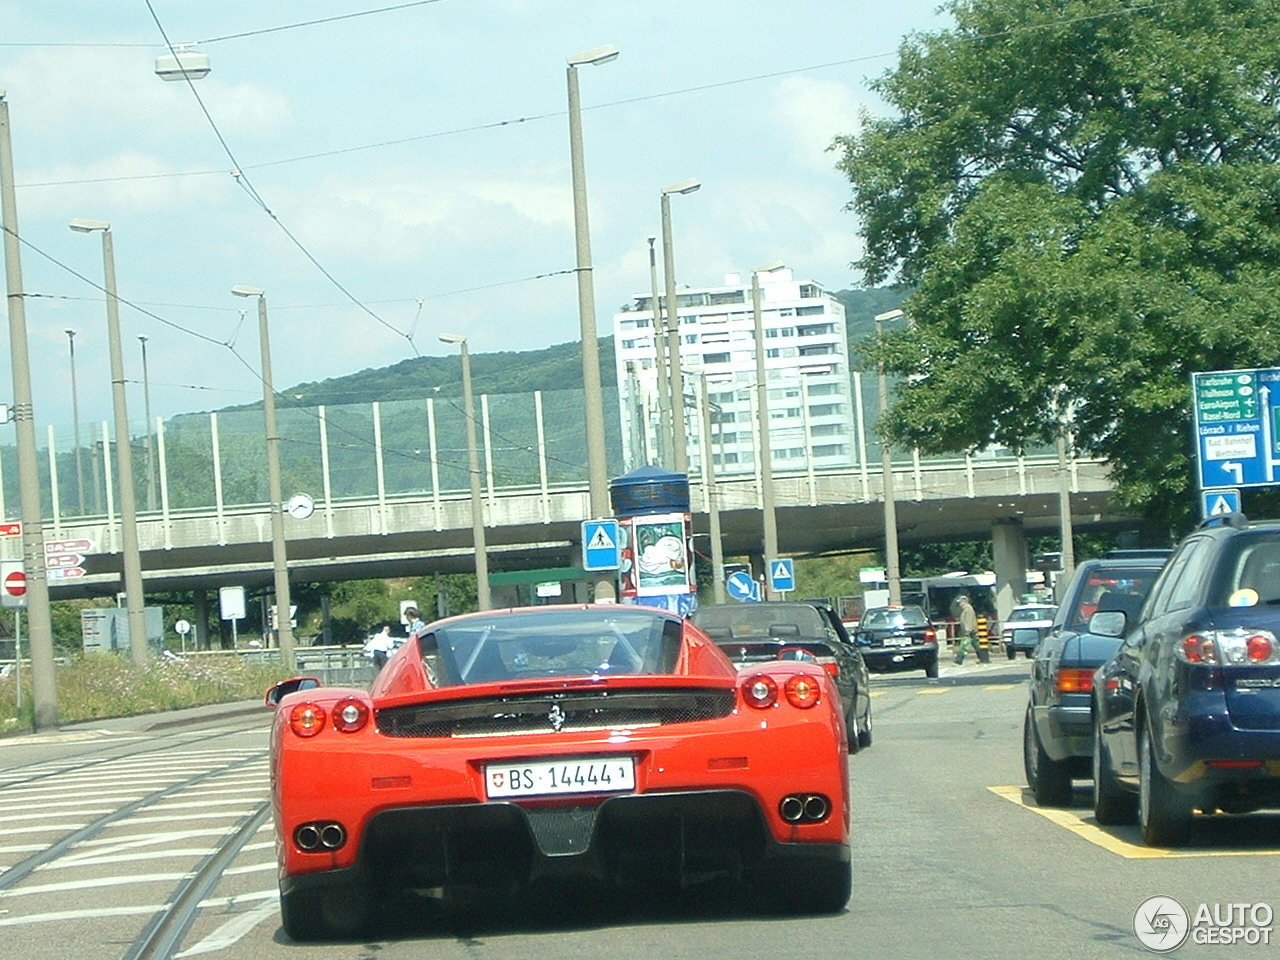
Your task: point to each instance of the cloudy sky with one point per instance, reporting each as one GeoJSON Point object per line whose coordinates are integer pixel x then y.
{"type": "Point", "coordinates": [406, 173]}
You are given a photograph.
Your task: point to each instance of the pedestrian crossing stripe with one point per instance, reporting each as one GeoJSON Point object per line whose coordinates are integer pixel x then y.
{"type": "Point", "coordinates": [601, 540]}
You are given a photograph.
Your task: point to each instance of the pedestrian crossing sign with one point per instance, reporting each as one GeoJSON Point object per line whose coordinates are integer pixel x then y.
{"type": "Point", "coordinates": [601, 545]}
{"type": "Point", "coordinates": [782, 575]}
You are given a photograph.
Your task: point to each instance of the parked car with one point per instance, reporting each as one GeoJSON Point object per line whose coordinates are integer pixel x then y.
{"type": "Point", "coordinates": [898, 638]}
{"type": "Point", "coordinates": [752, 633]}
{"type": "Point", "coordinates": [506, 747]}
{"type": "Point", "coordinates": [1187, 711]}
{"type": "Point", "coordinates": [1057, 731]}
{"type": "Point", "coordinates": [1024, 627]}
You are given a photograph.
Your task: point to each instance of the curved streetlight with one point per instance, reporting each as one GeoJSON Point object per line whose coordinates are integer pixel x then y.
{"type": "Point", "coordinates": [892, 570]}
{"type": "Point", "coordinates": [681, 445]}
{"type": "Point", "coordinates": [134, 599]}
{"type": "Point", "coordinates": [664, 444]}
{"type": "Point", "coordinates": [592, 393]}
{"type": "Point", "coordinates": [75, 417]}
{"type": "Point", "coordinates": [473, 471]}
{"type": "Point", "coordinates": [762, 428]}
{"type": "Point", "coordinates": [279, 559]}
{"type": "Point", "coordinates": [146, 403]}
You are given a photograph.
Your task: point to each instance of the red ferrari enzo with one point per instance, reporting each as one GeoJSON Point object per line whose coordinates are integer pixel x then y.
{"type": "Point", "coordinates": [613, 743]}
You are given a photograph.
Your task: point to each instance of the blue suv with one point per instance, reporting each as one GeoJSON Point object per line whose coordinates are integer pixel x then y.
{"type": "Point", "coordinates": [1187, 711]}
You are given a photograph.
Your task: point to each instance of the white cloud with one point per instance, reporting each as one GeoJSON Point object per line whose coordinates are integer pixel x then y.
{"type": "Point", "coordinates": [811, 113]}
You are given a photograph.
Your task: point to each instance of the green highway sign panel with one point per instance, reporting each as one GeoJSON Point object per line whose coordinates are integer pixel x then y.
{"type": "Point", "coordinates": [1237, 422]}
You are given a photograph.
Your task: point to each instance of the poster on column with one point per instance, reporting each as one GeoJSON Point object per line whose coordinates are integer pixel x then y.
{"type": "Point", "coordinates": [660, 552]}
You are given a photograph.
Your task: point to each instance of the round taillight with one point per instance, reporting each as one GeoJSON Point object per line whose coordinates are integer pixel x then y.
{"type": "Point", "coordinates": [306, 719]}
{"type": "Point", "coordinates": [760, 691]}
{"type": "Point", "coordinates": [1197, 649]}
{"type": "Point", "coordinates": [1258, 649]}
{"type": "Point", "coordinates": [350, 715]}
{"type": "Point", "coordinates": [803, 691]}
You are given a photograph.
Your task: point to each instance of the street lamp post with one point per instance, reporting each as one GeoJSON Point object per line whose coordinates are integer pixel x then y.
{"type": "Point", "coordinates": [713, 498]}
{"type": "Point", "coordinates": [146, 402]}
{"type": "Point", "coordinates": [892, 570]}
{"type": "Point", "coordinates": [592, 394]}
{"type": "Point", "coordinates": [75, 418]}
{"type": "Point", "coordinates": [279, 558]}
{"type": "Point", "coordinates": [135, 602]}
{"type": "Point", "coordinates": [762, 428]}
{"type": "Point", "coordinates": [681, 446]}
{"type": "Point", "coordinates": [39, 625]}
{"type": "Point", "coordinates": [660, 363]}
{"type": "Point", "coordinates": [473, 471]}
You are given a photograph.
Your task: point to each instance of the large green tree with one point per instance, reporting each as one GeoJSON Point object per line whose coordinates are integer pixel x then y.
{"type": "Point", "coordinates": [1084, 197]}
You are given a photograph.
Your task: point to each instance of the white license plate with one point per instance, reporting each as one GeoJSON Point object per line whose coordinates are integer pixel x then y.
{"type": "Point", "coordinates": [555, 777]}
{"type": "Point", "coordinates": [897, 641]}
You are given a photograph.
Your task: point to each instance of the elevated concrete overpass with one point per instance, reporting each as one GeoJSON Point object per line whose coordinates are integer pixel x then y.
{"type": "Point", "coordinates": [534, 528]}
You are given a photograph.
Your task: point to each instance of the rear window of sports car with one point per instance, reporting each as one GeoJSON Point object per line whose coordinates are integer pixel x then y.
{"type": "Point", "coordinates": [561, 643]}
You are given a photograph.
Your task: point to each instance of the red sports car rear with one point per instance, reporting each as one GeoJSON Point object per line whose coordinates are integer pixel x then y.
{"type": "Point", "coordinates": [613, 743]}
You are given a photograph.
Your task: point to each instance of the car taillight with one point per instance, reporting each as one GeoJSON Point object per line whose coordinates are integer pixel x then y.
{"type": "Point", "coordinates": [306, 719]}
{"type": "Point", "coordinates": [803, 691]}
{"type": "Point", "coordinates": [350, 715]}
{"type": "Point", "coordinates": [759, 691]}
{"type": "Point", "coordinates": [1259, 649]}
{"type": "Point", "coordinates": [1075, 679]}
{"type": "Point", "coordinates": [931, 635]}
{"type": "Point", "coordinates": [832, 668]}
{"type": "Point", "coordinates": [1229, 647]}
{"type": "Point", "coordinates": [1198, 649]}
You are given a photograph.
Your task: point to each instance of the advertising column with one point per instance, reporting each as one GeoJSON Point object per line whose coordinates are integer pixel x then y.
{"type": "Point", "coordinates": [652, 508]}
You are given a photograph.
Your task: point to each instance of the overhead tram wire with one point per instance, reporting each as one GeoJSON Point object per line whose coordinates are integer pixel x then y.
{"type": "Point", "coordinates": [247, 185]}
{"type": "Point", "coordinates": [515, 121]}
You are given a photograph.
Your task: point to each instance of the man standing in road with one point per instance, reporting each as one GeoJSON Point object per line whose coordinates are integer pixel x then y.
{"type": "Point", "coordinates": [967, 629]}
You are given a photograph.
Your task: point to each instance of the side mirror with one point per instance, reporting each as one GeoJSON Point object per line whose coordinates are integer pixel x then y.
{"type": "Point", "coordinates": [278, 691]}
{"type": "Point", "coordinates": [1108, 623]}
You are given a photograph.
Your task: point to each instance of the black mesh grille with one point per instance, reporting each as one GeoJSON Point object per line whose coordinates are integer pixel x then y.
{"type": "Point", "coordinates": [569, 712]}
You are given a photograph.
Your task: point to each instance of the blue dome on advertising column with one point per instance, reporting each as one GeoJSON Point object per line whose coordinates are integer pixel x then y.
{"type": "Point", "coordinates": [648, 490]}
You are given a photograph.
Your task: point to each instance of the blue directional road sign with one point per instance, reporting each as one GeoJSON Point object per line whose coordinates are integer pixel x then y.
{"type": "Point", "coordinates": [1237, 424]}
{"type": "Point", "coordinates": [742, 587]}
{"type": "Point", "coordinates": [1216, 503]}
{"type": "Point", "coordinates": [601, 545]}
{"type": "Point", "coordinates": [782, 575]}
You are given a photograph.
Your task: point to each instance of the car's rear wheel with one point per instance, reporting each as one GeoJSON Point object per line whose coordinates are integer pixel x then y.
{"type": "Point", "coordinates": [851, 734]}
{"type": "Point", "coordinates": [1049, 779]}
{"type": "Point", "coordinates": [324, 914]}
{"type": "Point", "coordinates": [805, 887]}
{"type": "Point", "coordinates": [1163, 814]}
{"type": "Point", "coordinates": [1011, 651]}
{"type": "Point", "coordinates": [864, 735]}
{"type": "Point", "coordinates": [1112, 805]}
{"type": "Point", "coordinates": [931, 668]}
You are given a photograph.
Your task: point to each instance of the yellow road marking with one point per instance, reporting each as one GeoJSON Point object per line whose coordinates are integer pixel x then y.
{"type": "Point", "coordinates": [1089, 830]}
{"type": "Point", "coordinates": [1001, 686]}
{"type": "Point", "coordinates": [925, 690]}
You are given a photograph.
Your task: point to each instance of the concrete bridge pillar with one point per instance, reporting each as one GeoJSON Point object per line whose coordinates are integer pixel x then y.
{"type": "Point", "coordinates": [200, 617]}
{"type": "Point", "coordinates": [1009, 543]}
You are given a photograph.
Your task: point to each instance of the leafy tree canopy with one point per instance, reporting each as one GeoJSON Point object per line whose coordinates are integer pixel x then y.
{"type": "Point", "coordinates": [1083, 197]}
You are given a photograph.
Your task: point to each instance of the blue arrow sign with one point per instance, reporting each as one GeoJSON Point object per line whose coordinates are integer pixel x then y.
{"type": "Point", "coordinates": [601, 545]}
{"type": "Point", "coordinates": [782, 575]}
{"type": "Point", "coordinates": [1216, 503]}
{"type": "Point", "coordinates": [741, 586]}
{"type": "Point", "coordinates": [1237, 416]}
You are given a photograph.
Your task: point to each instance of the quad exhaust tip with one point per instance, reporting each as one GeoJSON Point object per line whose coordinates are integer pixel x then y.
{"type": "Point", "coordinates": [322, 835]}
{"type": "Point", "coordinates": [804, 807]}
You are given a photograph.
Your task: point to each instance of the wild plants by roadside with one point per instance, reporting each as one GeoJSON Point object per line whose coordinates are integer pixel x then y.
{"type": "Point", "coordinates": [98, 686]}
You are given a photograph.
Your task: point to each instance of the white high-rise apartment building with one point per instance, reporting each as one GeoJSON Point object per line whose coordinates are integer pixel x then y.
{"type": "Point", "coordinates": [811, 415]}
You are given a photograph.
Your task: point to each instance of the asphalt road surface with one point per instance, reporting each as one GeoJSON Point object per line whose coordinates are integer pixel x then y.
{"type": "Point", "coordinates": [151, 838]}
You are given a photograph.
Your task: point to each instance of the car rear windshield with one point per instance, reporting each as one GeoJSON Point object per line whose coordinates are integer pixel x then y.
{"type": "Point", "coordinates": [552, 643]}
{"type": "Point", "coordinates": [1250, 571]}
{"type": "Point", "coordinates": [1022, 614]}
{"type": "Point", "coordinates": [1113, 589]}
{"type": "Point", "coordinates": [754, 620]}
{"type": "Point", "coordinates": [883, 617]}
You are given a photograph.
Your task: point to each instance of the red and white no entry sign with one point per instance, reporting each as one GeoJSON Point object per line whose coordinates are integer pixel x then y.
{"type": "Point", "coordinates": [15, 583]}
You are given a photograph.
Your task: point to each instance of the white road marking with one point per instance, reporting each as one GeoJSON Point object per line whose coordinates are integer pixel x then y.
{"type": "Point", "coordinates": [233, 930]}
